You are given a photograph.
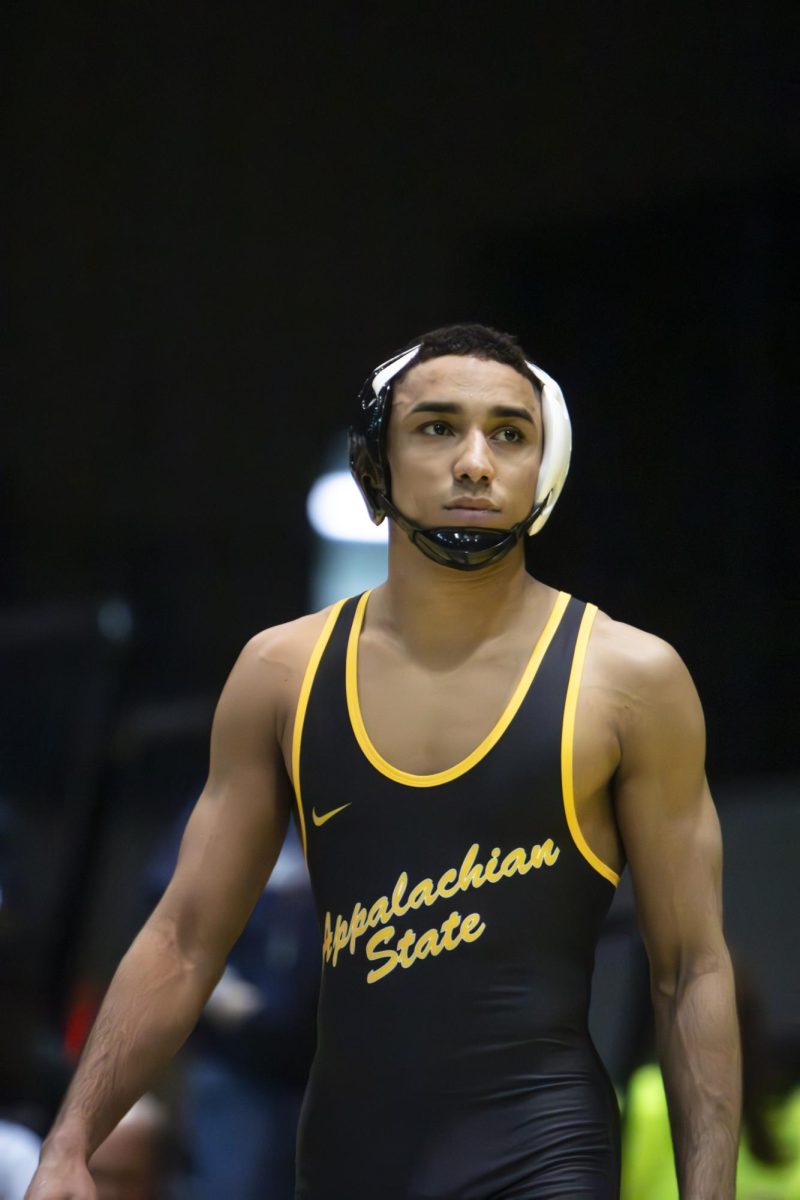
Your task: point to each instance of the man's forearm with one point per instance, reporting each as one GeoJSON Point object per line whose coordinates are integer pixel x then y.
{"type": "Point", "coordinates": [152, 1005]}
{"type": "Point", "coordinates": [698, 1042]}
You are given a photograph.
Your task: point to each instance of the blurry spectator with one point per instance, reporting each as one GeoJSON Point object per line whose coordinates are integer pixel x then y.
{"type": "Point", "coordinates": [769, 1151]}
{"type": "Point", "coordinates": [250, 1055]}
{"type": "Point", "coordinates": [19, 1158]}
{"type": "Point", "coordinates": [135, 1162]}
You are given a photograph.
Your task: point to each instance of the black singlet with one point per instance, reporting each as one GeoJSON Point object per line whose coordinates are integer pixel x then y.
{"type": "Point", "coordinates": [459, 914]}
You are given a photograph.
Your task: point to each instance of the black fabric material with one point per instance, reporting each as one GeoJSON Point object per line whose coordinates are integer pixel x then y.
{"type": "Point", "coordinates": [468, 1075]}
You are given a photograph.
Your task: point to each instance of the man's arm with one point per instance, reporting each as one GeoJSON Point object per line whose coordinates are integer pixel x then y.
{"type": "Point", "coordinates": [671, 835]}
{"type": "Point", "coordinates": [228, 850]}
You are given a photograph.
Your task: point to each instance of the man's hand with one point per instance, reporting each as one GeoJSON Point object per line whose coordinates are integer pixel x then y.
{"type": "Point", "coordinates": [61, 1178]}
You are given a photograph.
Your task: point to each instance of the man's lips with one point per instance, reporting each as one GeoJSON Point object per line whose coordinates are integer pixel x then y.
{"type": "Point", "coordinates": [472, 504]}
{"type": "Point", "coordinates": [471, 511]}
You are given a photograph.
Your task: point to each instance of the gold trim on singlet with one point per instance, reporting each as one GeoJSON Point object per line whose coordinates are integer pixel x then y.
{"type": "Point", "coordinates": [302, 705]}
{"type": "Point", "coordinates": [491, 739]}
{"type": "Point", "coordinates": [567, 743]}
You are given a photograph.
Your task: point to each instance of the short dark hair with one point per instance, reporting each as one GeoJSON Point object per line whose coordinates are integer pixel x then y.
{"type": "Point", "coordinates": [479, 340]}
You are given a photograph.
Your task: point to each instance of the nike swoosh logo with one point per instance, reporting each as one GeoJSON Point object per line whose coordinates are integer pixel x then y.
{"type": "Point", "coordinates": [327, 816]}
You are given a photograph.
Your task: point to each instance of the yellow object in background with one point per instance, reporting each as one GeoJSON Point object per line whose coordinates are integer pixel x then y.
{"type": "Point", "coordinates": [648, 1169]}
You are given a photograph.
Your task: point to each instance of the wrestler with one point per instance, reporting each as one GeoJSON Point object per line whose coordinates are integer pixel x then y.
{"type": "Point", "coordinates": [472, 758]}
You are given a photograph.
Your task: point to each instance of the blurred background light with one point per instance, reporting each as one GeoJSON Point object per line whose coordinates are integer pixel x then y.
{"type": "Point", "coordinates": [337, 511]}
{"type": "Point", "coordinates": [349, 552]}
{"type": "Point", "coordinates": [115, 620]}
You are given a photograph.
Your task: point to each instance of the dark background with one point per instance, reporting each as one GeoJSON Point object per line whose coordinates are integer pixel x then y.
{"type": "Point", "coordinates": [221, 217]}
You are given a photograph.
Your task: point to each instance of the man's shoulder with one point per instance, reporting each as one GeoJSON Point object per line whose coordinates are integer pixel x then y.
{"type": "Point", "coordinates": [268, 674]}
{"type": "Point", "coordinates": [289, 643]}
{"type": "Point", "coordinates": [641, 665]}
{"type": "Point", "coordinates": [283, 651]}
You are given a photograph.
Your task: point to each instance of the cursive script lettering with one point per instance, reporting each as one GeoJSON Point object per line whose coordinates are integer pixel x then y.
{"type": "Point", "coordinates": [450, 934]}
{"type": "Point", "coordinates": [340, 934]}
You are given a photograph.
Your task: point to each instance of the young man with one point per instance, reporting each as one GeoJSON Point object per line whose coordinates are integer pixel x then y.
{"type": "Point", "coordinates": [472, 757]}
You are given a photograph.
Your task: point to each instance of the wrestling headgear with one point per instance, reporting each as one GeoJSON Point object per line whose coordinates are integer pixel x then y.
{"type": "Point", "coordinates": [465, 549]}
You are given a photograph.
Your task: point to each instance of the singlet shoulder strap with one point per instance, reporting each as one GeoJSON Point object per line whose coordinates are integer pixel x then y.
{"type": "Point", "coordinates": [567, 745]}
{"type": "Point", "coordinates": [302, 707]}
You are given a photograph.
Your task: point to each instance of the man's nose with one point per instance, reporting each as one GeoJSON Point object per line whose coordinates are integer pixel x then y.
{"type": "Point", "coordinates": [474, 461]}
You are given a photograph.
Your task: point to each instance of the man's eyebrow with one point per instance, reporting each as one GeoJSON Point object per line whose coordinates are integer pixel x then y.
{"type": "Point", "coordinates": [511, 410]}
{"type": "Point", "coordinates": [450, 406]}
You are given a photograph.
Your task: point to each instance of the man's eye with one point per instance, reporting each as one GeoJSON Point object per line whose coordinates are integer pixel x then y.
{"type": "Point", "coordinates": [509, 434]}
{"type": "Point", "coordinates": [436, 428]}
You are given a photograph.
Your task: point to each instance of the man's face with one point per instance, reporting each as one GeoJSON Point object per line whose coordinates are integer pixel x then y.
{"type": "Point", "coordinates": [464, 443]}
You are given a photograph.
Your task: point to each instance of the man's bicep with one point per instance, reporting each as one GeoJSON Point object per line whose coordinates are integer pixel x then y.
{"type": "Point", "coordinates": [237, 827]}
{"type": "Point", "coordinates": [669, 825]}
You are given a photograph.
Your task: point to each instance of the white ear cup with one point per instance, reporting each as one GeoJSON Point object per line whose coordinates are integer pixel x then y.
{"type": "Point", "coordinates": [557, 446]}
{"type": "Point", "coordinates": [393, 366]}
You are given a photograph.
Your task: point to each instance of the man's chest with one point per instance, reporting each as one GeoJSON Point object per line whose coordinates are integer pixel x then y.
{"type": "Point", "coordinates": [424, 721]}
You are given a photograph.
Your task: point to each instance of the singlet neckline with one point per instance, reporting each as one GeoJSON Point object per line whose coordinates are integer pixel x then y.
{"type": "Point", "coordinates": [519, 693]}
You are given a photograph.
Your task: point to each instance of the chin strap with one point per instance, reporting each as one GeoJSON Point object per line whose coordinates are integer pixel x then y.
{"type": "Point", "coordinates": [459, 547]}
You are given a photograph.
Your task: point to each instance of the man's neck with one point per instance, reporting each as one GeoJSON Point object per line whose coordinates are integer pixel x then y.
{"type": "Point", "coordinates": [440, 615]}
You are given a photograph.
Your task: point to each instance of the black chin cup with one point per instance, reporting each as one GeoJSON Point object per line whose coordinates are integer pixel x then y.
{"type": "Point", "coordinates": [462, 548]}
